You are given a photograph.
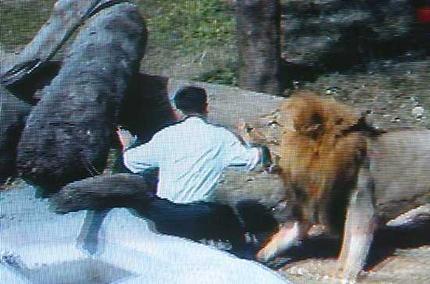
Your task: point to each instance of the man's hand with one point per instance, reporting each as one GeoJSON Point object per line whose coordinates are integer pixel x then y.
{"type": "Point", "coordinates": [125, 138]}
{"type": "Point", "coordinates": [249, 134]}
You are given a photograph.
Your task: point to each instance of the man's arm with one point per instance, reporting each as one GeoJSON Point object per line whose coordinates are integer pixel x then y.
{"type": "Point", "coordinates": [140, 158]}
{"type": "Point", "coordinates": [126, 139]}
{"type": "Point", "coordinates": [246, 155]}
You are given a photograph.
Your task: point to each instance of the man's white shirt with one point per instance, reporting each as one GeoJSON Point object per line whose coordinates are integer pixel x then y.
{"type": "Point", "coordinates": [191, 156]}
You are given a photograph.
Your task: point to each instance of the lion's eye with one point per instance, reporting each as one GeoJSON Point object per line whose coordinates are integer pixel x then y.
{"type": "Point", "coordinates": [248, 129]}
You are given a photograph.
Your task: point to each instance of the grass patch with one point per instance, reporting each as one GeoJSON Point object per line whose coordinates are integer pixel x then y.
{"type": "Point", "coordinates": [183, 24]}
{"type": "Point", "coordinates": [188, 25]}
{"type": "Point", "coordinates": [192, 28]}
{"type": "Point", "coordinates": [223, 76]}
{"type": "Point", "coordinates": [21, 20]}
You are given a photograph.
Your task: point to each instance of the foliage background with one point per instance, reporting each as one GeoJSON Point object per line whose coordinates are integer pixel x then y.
{"type": "Point", "coordinates": [188, 39]}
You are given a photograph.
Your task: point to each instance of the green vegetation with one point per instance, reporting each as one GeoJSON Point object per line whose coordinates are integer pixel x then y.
{"type": "Point", "coordinates": [177, 30]}
{"type": "Point", "coordinates": [188, 25]}
{"type": "Point", "coordinates": [20, 20]}
{"type": "Point", "coordinates": [224, 76]}
{"type": "Point", "coordinates": [192, 27]}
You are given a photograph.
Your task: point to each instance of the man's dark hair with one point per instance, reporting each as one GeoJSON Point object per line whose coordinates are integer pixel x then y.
{"type": "Point", "coordinates": [191, 99]}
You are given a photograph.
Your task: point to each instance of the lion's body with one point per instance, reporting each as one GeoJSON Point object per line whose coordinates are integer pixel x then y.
{"type": "Point", "coordinates": [340, 172]}
{"type": "Point", "coordinates": [400, 168]}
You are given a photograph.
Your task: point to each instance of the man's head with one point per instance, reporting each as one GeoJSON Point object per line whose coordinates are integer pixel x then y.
{"type": "Point", "coordinates": [191, 100]}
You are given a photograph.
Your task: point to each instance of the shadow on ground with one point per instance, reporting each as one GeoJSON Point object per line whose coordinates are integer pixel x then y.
{"type": "Point", "coordinates": [385, 243]}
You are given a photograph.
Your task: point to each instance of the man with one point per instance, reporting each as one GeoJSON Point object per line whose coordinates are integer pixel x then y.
{"type": "Point", "coordinates": [191, 156]}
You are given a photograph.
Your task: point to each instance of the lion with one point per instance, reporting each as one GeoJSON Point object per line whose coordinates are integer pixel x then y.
{"type": "Point", "coordinates": [342, 174]}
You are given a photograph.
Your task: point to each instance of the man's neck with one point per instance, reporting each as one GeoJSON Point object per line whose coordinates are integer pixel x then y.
{"type": "Point", "coordinates": [195, 114]}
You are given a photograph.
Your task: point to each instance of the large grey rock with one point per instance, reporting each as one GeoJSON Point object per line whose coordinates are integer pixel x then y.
{"type": "Point", "coordinates": [29, 86]}
{"type": "Point", "coordinates": [66, 17]}
{"type": "Point", "coordinates": [13, 113]}
{"type": "Point", "coordinates": [69, 133]}
{"type": "Point", "coordinates": [146, 107]}
{"type": "Point", "coordinates": [333, 34]}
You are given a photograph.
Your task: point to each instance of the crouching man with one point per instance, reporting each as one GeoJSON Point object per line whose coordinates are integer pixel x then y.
{"type": "Point", "coordinates": [191, 156]}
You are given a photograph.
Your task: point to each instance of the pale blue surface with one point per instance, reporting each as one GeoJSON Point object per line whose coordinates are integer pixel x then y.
{"type": "Point", "coordinates": [40, 239]}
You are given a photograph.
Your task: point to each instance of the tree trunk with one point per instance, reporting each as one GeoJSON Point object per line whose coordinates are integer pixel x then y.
{"type": "Point", "coordinates": [70, 131]}
{"type": "Point", "coordinates": [258, 32]}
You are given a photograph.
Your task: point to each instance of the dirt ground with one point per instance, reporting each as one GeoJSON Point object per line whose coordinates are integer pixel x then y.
{"type": "Point", "coordinates": [398, 254]}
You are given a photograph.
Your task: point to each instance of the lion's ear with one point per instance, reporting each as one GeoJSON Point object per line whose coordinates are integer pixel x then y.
{"type": "Point", "coordinates": [364, 125]}
{"type": "Point", "coordinates": [341, 117]}
{"type": "Point", "coordinates": [343, 124]}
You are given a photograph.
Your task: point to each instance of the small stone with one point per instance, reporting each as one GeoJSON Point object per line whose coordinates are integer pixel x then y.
{"type": "Point", "coordinates": [273, 124]}
{"type": "Point", "coordinates": [418, 112]}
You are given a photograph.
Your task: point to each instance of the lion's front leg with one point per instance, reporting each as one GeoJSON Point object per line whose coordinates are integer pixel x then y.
{"type": "Point", "coordinates": [359, 228]}
{"type": "Point", "coordinates": [287, 236]}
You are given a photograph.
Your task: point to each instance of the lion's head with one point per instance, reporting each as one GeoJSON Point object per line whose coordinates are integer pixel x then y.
{"type": "Point", "coordinates": [322, 146]}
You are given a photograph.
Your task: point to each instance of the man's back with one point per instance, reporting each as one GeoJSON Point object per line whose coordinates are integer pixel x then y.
{"type": "Point", "coordinates": [191, 156]}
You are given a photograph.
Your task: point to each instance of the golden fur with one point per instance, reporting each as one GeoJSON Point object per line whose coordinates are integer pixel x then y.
{"type": "Point", "coordinates": [320, 154]}
{"type": "Point", "coordinates": [339, 172]}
